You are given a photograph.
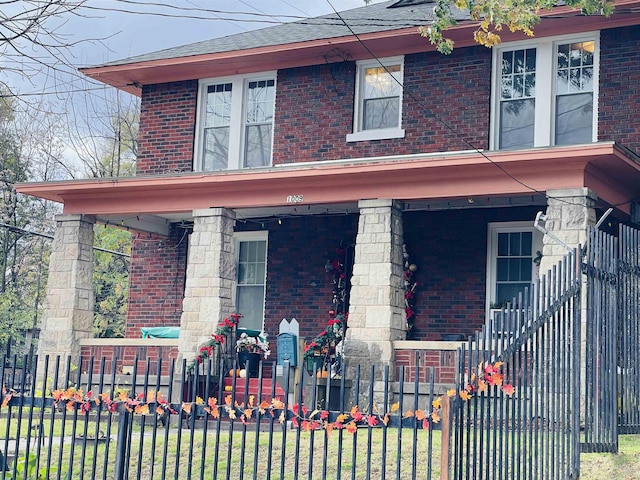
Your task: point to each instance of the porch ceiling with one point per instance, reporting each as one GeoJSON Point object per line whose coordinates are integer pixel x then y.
{"type": "Point", "coordinates": [610, 170]}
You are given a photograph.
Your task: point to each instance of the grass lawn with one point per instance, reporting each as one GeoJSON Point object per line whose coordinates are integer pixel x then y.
{"type": "Point", "coordinates": [622, 466]}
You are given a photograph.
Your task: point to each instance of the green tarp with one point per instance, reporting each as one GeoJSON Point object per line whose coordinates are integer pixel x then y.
{"type": "Point", "coordinates": [160, 332]}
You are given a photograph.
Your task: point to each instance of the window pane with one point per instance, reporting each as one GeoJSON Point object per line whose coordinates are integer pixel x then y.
{"type": "Point", "coordinates": [382, 82]}
{"type": "Point", "coordinates": [503, 244]}
{"type": "Point", "coordinates": [250, 303]}
{"type": "Point", "coordinates": [527, 238]}
{"type": "Point", "coordinates": [260, 101]}
{"type": "Point", "coordinates": [517, 123]}
{"type": "Point", "coordinates": [525, 269]}
{"type": "Point", "coordinates": [218, 108]}
{"type": "Point", "coordinates": [216, 148]}
{"type": "Point", "coordinates": [514, 269]}
{"type": "Point", "coordinates": [508, 291]}
{"type": "Point", "coordinates": [381, 113]}
{"type": "Point", "coordinates": [514, 244]}
{"type": "Point", "coordinates": [574, 119]}
{"type": "Point", "coordinates": [502, 269]}
{"type": "Point", "coordinates": [257, 146]}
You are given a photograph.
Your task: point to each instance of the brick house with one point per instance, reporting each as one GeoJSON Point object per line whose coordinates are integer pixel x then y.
{"type": "Point", "coordinates": [261, 153]}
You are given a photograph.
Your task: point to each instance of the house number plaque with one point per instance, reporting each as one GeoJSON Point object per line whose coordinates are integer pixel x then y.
{"type": "Point", "coordinates": [295, 198]}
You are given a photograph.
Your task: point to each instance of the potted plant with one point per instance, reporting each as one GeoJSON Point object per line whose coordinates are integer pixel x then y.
{"type": "Point", "coordinates": [250, 349]}
{"type": "Point", "coordinates": [321, 351]}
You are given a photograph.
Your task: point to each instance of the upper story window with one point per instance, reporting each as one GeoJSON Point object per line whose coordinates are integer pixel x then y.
{"type": "Point", "coordinates": [378, 100]}
{"type": "Point", "coordinates": [545, 93]}
{"type": "Point", "coordinates": [235, 123]}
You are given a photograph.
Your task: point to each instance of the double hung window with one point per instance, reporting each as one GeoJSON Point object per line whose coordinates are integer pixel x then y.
{"type": "Point", "coordinates": [251, 252]}
{"type": "Point", "coordinates": [235, 123]}
{"type": "Point", "coordinates": [545, 93]}
{"type": "Point", "coordinates": [378, 100]}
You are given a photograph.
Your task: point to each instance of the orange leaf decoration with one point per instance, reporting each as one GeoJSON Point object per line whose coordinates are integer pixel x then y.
{"type": "Point", "coordinates": [435, 417]}
{"type": "Point", "coordinates": [464, 395]}
{"type": "Point", "coordinates": [228, 400]}
{"type": "Point", "coordinates": [408, 414]}
{"type": "Point", "coordinates": [420, 415]}
{"type": "Point", "coordinates": [123, 396]}
{"type": "Point", "coordinates": [508, 389]}
{"type": "Point", "coordinates": [451, 392]}
{"type": "Point", "coordinates": [159, 410]}
{"type": "Point", "coordinates": [352, 427]}
{"type": "Point", "coordinates": [328, 427]}
{"type": "Point", "coordinates": [482, 386]}
{"type": "Point", "coordinates": [142, 409]}
{"type": "Point", "coordinates": [248, 412]}
{"type": "Point", "coordinates": [385, 419]}
{"type": "Point", "coordinates": [232, 413]}
{"type": "Point", "coordinates": [277, 403]}
{"type": "Point", "coordinates": [6, 400]}
{"type": "Point", "coordinates": [437, 403]}
{"type": "Point", "coordinates": [395, 407]}
{"type": "Point", "coordinates": [251, 400]}
{"type": "Point", "coordinates": [342, 418]}
{"type": "Point", "coordinates": [262, 408]}
{"type": "Point", "coordinates": [186, 407]}
{"type": "Point", "coordinates": [498, 365]}
{"type": "Point", "coordinates": [282, 418]}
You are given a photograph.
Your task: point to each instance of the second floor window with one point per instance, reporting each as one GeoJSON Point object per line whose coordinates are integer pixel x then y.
{"type": "Point", "coordinates": [235, 124]}
{"type": "Point", "coordinates": [378, 100]}
{"type": "Point", "coordinates": [545, 93]}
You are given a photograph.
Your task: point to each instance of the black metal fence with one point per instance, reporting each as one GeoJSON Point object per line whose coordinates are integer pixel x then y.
{"type": "Point", "coordinates": [612, 268]}
{"type": "Point", "coordinates": [533, 433]}
{"type": "Point", "coordinates": [61, 423]}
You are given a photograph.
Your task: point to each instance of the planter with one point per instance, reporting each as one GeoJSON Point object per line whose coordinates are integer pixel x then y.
{"type": "Point", "coordinates": [250, 362]}
{"type": "Point", "coordinates": [313, 363]}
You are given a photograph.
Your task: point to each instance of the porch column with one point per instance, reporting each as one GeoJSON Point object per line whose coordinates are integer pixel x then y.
{"type": "Point", "coordinates": [68, 312]}
{"type": "Point", "coordinates": [211, 272]}
{"type": "Point", "coordinates": [376, 302]}
{"type": "Point", "coordinates": [570, 212]}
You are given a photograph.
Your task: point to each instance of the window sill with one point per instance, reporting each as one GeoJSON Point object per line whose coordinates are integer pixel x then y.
{"type": "Point", "coordinates": [381, 134]}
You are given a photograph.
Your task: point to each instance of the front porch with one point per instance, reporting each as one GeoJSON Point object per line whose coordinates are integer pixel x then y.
{"type": "Point", "coordinates": [286, 276]}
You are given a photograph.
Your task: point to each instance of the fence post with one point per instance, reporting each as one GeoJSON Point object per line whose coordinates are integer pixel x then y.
{"type": "Point", "coordinates": [444, 441]}
{"type": "Point", "coordinates": [121, 445]}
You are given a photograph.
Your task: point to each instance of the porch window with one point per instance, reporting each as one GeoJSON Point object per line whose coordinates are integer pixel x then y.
{"type": "Point", "coordinates": [511, 268]}
{"type": "Point", "coordinates": [545, 91]}
{"type": "Point", "coordinates": [235, 123]}
{"type": "Point", "coordinates": [251, 251]}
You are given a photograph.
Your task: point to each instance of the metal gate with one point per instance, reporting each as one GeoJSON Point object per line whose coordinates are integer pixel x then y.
{"type": "Point", "coordinates": [612, 267]}
{"type": "Point", "coordinates": [533, 434]}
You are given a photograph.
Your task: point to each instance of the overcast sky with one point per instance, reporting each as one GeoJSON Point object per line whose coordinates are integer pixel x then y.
{"type": "Point", "coordinates": [110, 30]}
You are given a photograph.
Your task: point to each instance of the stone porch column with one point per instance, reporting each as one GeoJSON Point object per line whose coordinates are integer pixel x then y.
{"type": "Point", "coordinates": [68, 313]}
{"type": "Point", "coordinates": [376, 302]}
{"type": "Point", "coordinates": [211, 273]}
{"type": "Point", "coordinates": [570, 212]}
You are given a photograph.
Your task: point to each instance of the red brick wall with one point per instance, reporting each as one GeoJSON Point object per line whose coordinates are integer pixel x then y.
{"type": "Point", "coordinates": [418, 362]}
{"type": "Point", "coordinates": [125, 357]}
{"type": "Point", "coordinates": [167, 126]}
{"type": "Point", "coordinates": [455, 89]}
{"type": "Point", "coordinates": [450, 247]}
{"type": "Point", "coordinates": [156, 281]}
{"type": "Point", "coordinates": [619, 95]}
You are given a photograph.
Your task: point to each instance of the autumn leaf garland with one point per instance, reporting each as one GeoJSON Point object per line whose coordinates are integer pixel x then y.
{"type": "Point", "coordinates": [153, 403]}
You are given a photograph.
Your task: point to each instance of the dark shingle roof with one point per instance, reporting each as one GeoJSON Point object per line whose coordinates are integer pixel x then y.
{"type": "Point", "coordinates": [377, 17]}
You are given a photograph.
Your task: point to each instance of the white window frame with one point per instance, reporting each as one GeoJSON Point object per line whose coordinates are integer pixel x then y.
{"type": "Point", "coordinates": [359, 134]}
{"type": "Point", "coordinates": [545, 95]}
{"type": "Point", "coordinates": [238, 121]}
{"type": "Point", "coordinates": [239, 237]}
{"type": "Point", "coordinates": [493, 228]}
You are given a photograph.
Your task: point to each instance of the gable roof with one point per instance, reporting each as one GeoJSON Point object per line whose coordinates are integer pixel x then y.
{"type": "Point", "coordinates": [381, 29]}
{"type": "Point", "coordinates": [374, 18]}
